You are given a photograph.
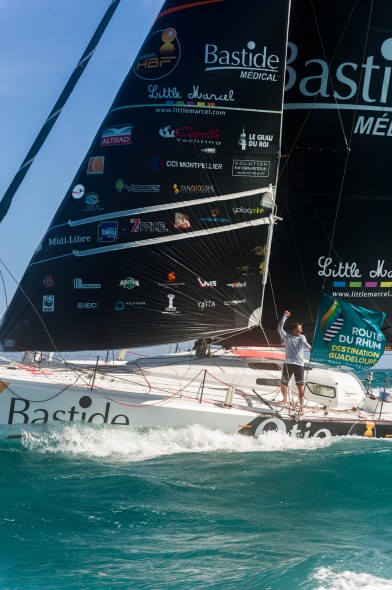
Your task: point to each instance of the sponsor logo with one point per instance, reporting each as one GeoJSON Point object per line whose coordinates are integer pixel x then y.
{"type": "Point", "coordinates": [91, 199]}
{"type": "Point", "coordinates": [129, 283]}
{"type": "Point", "coordinates": [195, 97]}
{"type": "Point", "coordinates": [188, 134]}
{"type": "Point", "coordinates": [155, 91]}
{"type": "Point", "coordinates": [78, 191]}
{"type": "Point", "coordinates": [171, 308]}
{"type": "Point", "coordinates": [234, 302]}
{"type": "Point", "coordinates": [181, 221]}
{"type": "Point", "coordinates": [159, 55]}
{"type": "Point", "coordinates": [210, 97]}
{"type": "Point", "coordinates": [64, 240]}
{"type": "Point", "coordinates": [296, 431]}
{"type": "Point", "coordinates": [96, 165]}
{"type": "Point", "coordinates": [372, 87]}
{"type": "Point", "coordinates": [137, 188]}
{"type": "Point", "coordinates": [148, 226]}
{"type": "Point", "coordinates": [78, 284]}
{"type": "Point", "coordinates": [203, 284]}
{"type": "Point", "coordinates": [197, 165]}
{"type": "Point", "coordinates": [157, 163]}
{"type": "Point", "coordinates": [207, 303]}
{"type": "Point", "coordinates": [48, 281]}
{"type": "Point", "coordinates": [215, 218]}
{"type": "Point", "coordinates": [171, 281]}
{"type": "Point", "coordinates": [248, 210]}
{"type": "Point", "coordinates": [125, 305]}
{"type": "Point", "coordinates": [48, 303]}
{"type": "Point", "coordinates": [256, 140]}
{"type": "Point", "coordinates": [87, 305]}
{"type": "Point", "coordinates": [236, 285]}
{"type": "Point", "coordinates": [253, 63]}
{"type": "Point", "coordinates": [92, 202]}
{"type": "Point", "coordinates": [108, 231]}
{"type": "Point", "coordinates": [250, 168]}
{"type": "Point", "coordinates": [23, 411]}
{"type": "Point", "coordinates": [193, 188]}
{"type": "Point", "coordinates": [116, 135]}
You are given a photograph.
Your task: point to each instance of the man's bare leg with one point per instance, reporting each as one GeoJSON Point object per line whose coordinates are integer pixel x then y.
{"type": "Point", "coordinates": [283, 389]}
{"type": "Point", "coordinates": [300, 387]}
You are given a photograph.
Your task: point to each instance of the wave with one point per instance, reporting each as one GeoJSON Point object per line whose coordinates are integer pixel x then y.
{"type": "Point", "coordinates": [347, 580]}
{"type": "Point", "coordinates": [141, 445]}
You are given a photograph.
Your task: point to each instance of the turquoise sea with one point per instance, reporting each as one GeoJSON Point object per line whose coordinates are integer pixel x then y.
{"type": "Point", "coordinates": [86, 507]}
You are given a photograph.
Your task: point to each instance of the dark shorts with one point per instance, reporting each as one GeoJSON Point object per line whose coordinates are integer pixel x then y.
{"type": "Point", "coordinates": [296, 370]}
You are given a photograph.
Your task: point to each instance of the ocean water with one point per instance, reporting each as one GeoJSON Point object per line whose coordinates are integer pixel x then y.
{"type": "Point", "coordinates": [86, 507]}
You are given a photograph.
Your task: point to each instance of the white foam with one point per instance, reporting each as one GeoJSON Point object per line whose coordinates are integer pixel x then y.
{"type": "Point", "coordinates": [348, 580]}
{"type": "Point", "coordinates": [136, 445]}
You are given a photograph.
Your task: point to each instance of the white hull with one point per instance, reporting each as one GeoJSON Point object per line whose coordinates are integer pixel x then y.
{"type": "Point", "coordinates": [221, 393]}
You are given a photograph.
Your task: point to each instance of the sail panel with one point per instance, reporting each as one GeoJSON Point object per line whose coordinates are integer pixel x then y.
{"type": "Point", "coordinates": [162, 234]}
{"type": "Point", "coordinates": [335, 188]}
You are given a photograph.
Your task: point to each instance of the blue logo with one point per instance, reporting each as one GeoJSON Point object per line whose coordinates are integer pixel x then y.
{"type": "Point", "coordinates": [108, 231]}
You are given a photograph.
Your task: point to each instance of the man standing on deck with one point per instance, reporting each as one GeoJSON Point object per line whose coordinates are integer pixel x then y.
{"type": "Point", "coordinates": [295, 343]}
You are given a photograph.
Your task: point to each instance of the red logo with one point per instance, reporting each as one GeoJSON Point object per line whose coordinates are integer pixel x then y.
{"type": "Point", "coordinates": [181, 221]}
{"type": "Point", "coordinates": [95, 165]}
{"type": "Point", "coordinates": [48, 281]}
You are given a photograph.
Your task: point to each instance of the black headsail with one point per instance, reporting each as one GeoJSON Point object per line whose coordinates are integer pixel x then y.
{"type": "Point", "coordinates": [162, 234]}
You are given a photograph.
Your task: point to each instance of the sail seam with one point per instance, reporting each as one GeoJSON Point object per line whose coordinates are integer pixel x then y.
{"type": "Point", "coordinates": [335, 106]}
{"type": "Point", "coordinates": [194, 106]}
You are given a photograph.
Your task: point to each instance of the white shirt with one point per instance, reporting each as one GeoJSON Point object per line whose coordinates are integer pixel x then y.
{"type": "Point", "coordinates": [294, 345]}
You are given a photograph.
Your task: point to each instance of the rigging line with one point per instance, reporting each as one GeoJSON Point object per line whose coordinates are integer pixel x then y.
{"type": "Point", "coordinates": [6, 201]}
{"type": "Point", "coordinates": [36, 312]}
{"type": "Point", "coordinates": [332, 59]}
{"type": "Point", "coordinates": [236, 332]}
{"type": "Point", "coordinates": [300, 263]}
{"type": "Point", "coordinates": [349, 144]}
{"type": "Point", "coordinates": [296, 140]}
{"type": "Point", "coordinates": [273, 297]}
{"type": "Point", "coordinates": [276, 312]}
{"type": "Point", "coordinates": [165, 206]}
{"type": "Point", "coordinates": [4, 288]}
{"type": "Point", "coordinates": [332, 247]}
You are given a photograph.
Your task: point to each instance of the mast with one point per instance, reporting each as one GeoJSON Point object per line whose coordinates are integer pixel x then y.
{"type": "Point", "coordinates": [273, 217]}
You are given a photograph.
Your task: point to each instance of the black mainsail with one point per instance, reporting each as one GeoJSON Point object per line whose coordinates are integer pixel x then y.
{"type": "Point", "coordinates": [335, 186]}
{"type": "Point", "coordinates": [335, 193]}
{"type": "Point", "coordinates": [163, 234]}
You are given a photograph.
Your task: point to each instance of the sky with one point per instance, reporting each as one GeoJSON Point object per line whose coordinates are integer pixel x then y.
{"type": "Point", "coordinates": [41, 42]}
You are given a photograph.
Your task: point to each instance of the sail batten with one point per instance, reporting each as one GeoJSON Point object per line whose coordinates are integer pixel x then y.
{"type": "Point", "coordinates": [195, 234]}
{"type": "Point", "coordinates": [164, 207]}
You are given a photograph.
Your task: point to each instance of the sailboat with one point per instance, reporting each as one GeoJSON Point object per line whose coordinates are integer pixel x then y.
{"type": "Point", "coordinates": [230, 180]}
